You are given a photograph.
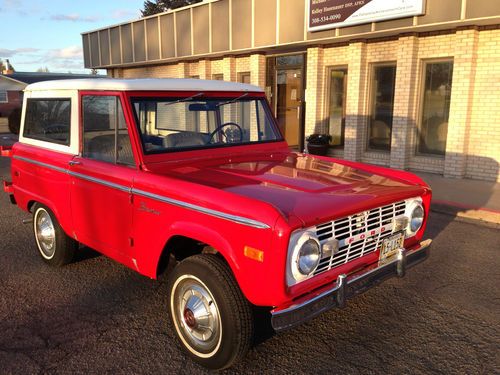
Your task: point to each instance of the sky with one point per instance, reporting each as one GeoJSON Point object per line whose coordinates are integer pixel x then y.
{"type": "Point", "coordinates": [39, 34]}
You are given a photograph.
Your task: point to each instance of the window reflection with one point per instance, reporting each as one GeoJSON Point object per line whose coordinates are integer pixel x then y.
{"type": "Point", "coordinates": [336, 120]}
{"type": "Point", "coordinates": [383, 86]}
{"type": "Point", "coordinates": [436, 108]}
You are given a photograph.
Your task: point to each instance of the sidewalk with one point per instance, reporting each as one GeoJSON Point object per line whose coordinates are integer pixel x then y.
{"type": "Point", "coordinates": [471, 199]}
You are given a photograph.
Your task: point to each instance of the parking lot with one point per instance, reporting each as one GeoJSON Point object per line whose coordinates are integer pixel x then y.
{"type": "Point", "coordinates": [96, 317]}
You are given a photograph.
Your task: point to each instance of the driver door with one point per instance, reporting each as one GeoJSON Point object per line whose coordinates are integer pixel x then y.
{"type": "Point", "coordinates": [102, 178]}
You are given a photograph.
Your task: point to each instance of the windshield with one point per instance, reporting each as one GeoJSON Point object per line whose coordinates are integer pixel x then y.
{"type": "Point", "coordinates": [173, 124]}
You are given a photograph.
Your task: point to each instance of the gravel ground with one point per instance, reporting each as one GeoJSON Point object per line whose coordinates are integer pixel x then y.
{"type": "Point", "coordinates": [97, 317]}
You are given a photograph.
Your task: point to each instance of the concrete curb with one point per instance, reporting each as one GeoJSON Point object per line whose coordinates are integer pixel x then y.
{"type": "Point", "coordinates": [475, 215]}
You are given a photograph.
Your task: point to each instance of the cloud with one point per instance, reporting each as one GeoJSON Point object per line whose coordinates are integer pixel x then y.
{"type": "Point", "coordinates": [4, 52]}
{"type": "Point", "coordinates": [57, 60]}
{"type": "Point", "coordinates": [70, 52]}
{"type": "Point", "coordinates": [14, 6]}
{"type": "Point", "coordinates": [73, 17]}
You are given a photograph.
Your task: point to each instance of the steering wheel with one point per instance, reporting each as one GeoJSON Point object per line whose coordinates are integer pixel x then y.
{"type": "Point", "coordinates": [219, 128]}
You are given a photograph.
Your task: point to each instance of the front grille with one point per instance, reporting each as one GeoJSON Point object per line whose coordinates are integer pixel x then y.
{"type": "Point", "coordinates": [375, 225]}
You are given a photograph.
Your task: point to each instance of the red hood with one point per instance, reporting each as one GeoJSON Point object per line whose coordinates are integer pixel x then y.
{"type": "Point", "coordinates": [309, 188]}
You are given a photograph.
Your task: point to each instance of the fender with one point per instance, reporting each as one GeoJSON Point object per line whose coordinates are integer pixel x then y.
{"type": "Point", "coordinates": [210, 237]}
{"type": "Point", "coordinates": [29, 196]}
{"type": "Point", "coordinates": [202, 234]}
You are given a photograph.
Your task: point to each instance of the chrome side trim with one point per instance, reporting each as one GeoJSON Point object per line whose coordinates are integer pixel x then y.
{"type": "Point", "coordinates": [208, 211]}
{"type": "Point", "coordinates": [100, 182]}
{"type": "Point", "coordinates": [41, 164]}
{"type": "Point", "coordinates": [190, 206]}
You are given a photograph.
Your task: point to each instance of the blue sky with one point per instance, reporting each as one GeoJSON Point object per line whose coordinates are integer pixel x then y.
{"type": "Point", "coordinates": [36, 34]}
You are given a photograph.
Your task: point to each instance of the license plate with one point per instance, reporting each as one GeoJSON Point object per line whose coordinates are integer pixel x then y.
{"type": "Point", "coordinates": [391, 245]}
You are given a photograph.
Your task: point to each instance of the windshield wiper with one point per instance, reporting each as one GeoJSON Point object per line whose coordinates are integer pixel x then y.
{"type": "Point", "coordinates": [185, 99]}
{"type": "Point", "coordinates": [233, 100]}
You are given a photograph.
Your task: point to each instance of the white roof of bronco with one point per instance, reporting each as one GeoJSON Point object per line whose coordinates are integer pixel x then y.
{"type": "Point", "coordinates": [142, 84]}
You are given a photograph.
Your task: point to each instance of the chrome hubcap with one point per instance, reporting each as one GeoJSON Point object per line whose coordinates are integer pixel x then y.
{"type": "Point", "coordinates": [45, 234]}
{"type": "Point", "coordinates": [196, 315]}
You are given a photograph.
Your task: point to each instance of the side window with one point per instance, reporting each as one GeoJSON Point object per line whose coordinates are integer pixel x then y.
{"type": "Point", "coordinates": [48, 120]}
{"type": "Point", "coordinates": [105, 134]}
{"type": "Point", "coordinates": [382, 106]}
{"type": "Point", "coordinates": [4, 98]}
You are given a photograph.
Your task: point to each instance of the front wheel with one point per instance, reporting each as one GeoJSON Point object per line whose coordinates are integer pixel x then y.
{"type": "Point", "coordinates": [212, 318]}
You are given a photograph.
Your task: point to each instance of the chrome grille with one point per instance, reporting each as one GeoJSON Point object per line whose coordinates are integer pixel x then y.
{"type": "Point", "coordinates": [375, 224]}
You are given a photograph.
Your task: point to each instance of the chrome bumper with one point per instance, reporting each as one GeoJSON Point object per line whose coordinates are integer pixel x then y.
{"type": "Point", "coordinates": [347, 287]}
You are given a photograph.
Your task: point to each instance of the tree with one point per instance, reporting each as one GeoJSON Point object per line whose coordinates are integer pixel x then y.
{"type": "Point", "coordinates": [158, 6]}
{"type": "Point", "coordinates": [43, 70]}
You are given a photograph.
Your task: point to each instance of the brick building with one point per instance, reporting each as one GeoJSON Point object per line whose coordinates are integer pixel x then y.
{"type": "Point", "coordinates": [418, 89]}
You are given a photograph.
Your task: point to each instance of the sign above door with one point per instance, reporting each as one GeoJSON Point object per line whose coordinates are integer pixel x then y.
{"type": "Point", "coordinates": [329, 14]}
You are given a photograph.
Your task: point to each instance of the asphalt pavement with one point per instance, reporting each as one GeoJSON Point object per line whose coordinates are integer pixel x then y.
{"type": "Point", "coordinates": [98, 317]}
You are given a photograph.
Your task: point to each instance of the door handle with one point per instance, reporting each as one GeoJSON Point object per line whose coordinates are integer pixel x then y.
{"type": "Point", "coordinates": [74, 162]}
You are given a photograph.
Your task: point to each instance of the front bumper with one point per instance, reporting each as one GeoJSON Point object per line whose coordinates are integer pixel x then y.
{"type": "Point", "coordinates": [348, 286]}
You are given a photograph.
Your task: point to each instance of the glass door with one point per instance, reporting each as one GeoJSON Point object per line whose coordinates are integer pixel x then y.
{"type": "Point", "coordinates": [285, 86]}
{"type": "Point", "coordinates": [289, 103]}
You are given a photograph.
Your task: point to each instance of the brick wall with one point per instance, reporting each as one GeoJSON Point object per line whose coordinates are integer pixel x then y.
{"type": "Point", "coordinates": [483, 156]}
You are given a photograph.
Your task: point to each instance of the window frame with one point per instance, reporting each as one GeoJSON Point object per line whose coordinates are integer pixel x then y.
{"type": "Point", "coordinates": [42, 139]}
{"type": "Point", "coordinates": [371, 103]}
{"type": "Point", "coordinates": [420, 106]}
{"type": "Point", "coordinates": [6, 96]}
{"type": "Point", "coordinates": [131, 136]}
{"type": "Point", "coordinates": [326, 107]}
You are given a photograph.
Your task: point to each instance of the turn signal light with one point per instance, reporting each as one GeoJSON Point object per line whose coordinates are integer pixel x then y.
{"type": "Point", "coordinates": [254, 254]}
{"type": "Point", "coordinates": [400, 223]}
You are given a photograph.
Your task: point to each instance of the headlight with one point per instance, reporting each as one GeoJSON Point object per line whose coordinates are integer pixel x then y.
{"type": "Point", "coordinates": [416, 216]}
{"type": "Point", "coordinates": [304, 256]}
{"type": "Point", "coordinates": [308, 257]}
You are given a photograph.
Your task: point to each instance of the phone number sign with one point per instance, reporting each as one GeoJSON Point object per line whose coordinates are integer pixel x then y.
{"type": "Point", "coordinates": [329, 14]}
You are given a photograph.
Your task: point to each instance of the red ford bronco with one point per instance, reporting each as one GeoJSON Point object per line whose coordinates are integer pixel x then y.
{"type": "Point", "coordinates": [152, 171]}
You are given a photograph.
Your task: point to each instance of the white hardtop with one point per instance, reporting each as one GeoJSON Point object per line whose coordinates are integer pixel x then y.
{"type": "Point", "coordinates": [142, 84]}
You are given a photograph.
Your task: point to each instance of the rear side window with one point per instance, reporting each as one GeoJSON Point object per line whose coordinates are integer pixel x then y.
{"type": "Point", "coordinates": [48, 120]}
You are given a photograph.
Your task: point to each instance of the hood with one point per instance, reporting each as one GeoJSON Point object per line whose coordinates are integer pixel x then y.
{"type": "Point", "coordinates": [309, 188]}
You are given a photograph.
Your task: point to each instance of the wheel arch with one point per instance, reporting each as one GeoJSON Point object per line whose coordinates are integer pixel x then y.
{"type": "Point", "coordinates": [34, 200]}
{"type": "Point", "coordinates": [200, 239]}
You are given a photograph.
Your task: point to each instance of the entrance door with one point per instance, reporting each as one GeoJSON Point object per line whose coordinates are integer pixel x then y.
{"type": "Point", "coordinates": [289, 103]}
{"type": "Point", "coordinates": [285, 87]}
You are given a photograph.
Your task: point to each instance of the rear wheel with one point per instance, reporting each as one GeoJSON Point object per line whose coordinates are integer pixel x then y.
{"type": "Point", "coordinates": [54, 246]}
{"type": "Point", "coordinates": [212, 318]}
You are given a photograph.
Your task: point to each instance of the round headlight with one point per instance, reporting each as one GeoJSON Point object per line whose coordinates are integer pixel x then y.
{"type": "Point", "coordinates": [416, 217]}
{"type": "Point", "coordinates": [308, 257]}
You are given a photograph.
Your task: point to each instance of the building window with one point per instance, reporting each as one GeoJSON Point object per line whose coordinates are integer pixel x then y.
{"type": "Point", "coordinates": [218, 77]}
{"type": "Point", "coordinates": [382, 105]}
{"type": "Point", "coordinates": [48, 120]}
{"type": "Point", "coordinates": [433, 129]}
{"type": "Point", "coordinates": [105, 130]}
{"type": "Point", "coordinates": [336, 105]}
{"type": "Point", "coordinates": [3, 97]}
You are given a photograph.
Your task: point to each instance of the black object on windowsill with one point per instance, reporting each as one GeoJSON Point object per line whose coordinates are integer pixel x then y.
{"type": "Point", "coordinates": [317, 144]}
